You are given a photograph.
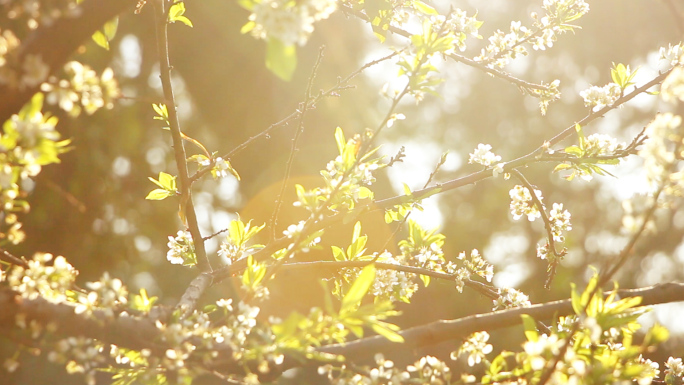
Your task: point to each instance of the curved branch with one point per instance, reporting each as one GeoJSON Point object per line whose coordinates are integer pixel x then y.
{"type": "Point", "coordinates": [140, 333]}
{"type": "Point", "coordinates": [444, 330]}
{"type": "Point", "coordinates": [187, 207]}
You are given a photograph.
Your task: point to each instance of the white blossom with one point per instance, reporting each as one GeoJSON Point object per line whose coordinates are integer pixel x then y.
{"type": "Point", "coordinates": [181, 249]}
{"type": "Point", "coordinates": [600, 97]}
{"type": "Point", "coordinates": [476, 347]}
{"type": "Point", "coordinates": [522, 203]}
{"type": "Point", "coordinates": [560, 222]}
{"type": "Point", "coordinates": [289, 22]}
{"type": "Point", "coordinates": [483, 155]}
{"type": "Point", "coordinates": [672, 54]}
{"type": "Point", "coordinates": [674, 367]}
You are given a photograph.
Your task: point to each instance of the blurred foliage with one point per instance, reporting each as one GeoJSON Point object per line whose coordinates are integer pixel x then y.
{"type": "Point", "coordinates": [91, 207]}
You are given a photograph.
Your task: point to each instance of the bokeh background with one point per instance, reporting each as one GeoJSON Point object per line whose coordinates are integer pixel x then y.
{"type": "Point", "coordinates": [91, 207]}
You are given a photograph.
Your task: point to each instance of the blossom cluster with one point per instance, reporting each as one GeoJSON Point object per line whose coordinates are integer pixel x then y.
{"type": "Point", "coordinates": [477, 264]}
{"type": "Point", "coordinates": [288, 21]}
{"type": "Point", "coordinates": [600, 97]}
{"type": "Point", "coordinates": [510, 298]}
{"type": "Point", "coordinates": [673, 54]}
{"type": "Point", "coordinates": [36, 13]}
{"type": "Point", "coordinates": [29, 141]}
{"type": "Point", "coordinates": [674, 369]}
{"type": "Point", "coordinates": [389, 284]}
{"type": "Point", "coordinates": [426, 370]}
{"type": "Point", "coordinates": [476, 347]}
{"type": "Point", "coordinates": [82, 355]}
{"type": "Point", "coordinates": [346, 177]}
{"type": "Point", "coordinates": [665, 133]}
{"type": "Point", "coordinates": [430, 370]}
{"type": "Point", "coordinates": [234, 246]}
{"type": "Point", "coordinates": [560, 222]}
{"type": "Point", "coordinates": [484, 156]}
{"type": "Point", "coordinates": [16, 72]}
{"type": "Point", "coordinates": [82, 89]}
{"type": "Point", "coordinates": [549, 93]}
{"type": "Point", "coordinates": [393, 285]}
{"type": "Point", "coordinates": [673, 86]}
{"type": "Point", "coordinates": [107, 294]}
{"type": "Point", "coordinates": [459, 24]}
{"type": "Point", "coordinates": [181, 249]}
{"type": "Point", "coordinates": [602, 144]}
{"type": "Point", "coordinates": [46, 276]}
{"type": "Point", "coordinates": [504, 47]}
{"type": "Point", "coordinates": [522, 203]}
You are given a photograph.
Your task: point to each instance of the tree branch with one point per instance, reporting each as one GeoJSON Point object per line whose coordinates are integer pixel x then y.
{"type": "Point", "coordinates": [140, 333]}
{"type": "Point", "coordinates": [444, 330]}
{"type": "Point", "coordinates": [187, 207]}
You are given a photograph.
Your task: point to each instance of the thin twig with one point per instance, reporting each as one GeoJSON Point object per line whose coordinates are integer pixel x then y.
{"type": "Point", "coordinates": [486, 290]}
{"type": "Point", "coordinates": [341, 85]}
{"type": "Point", "coordinates": [542, 211]}
{"type": "Point", "coordinates": [186, 206]}
{"type": "Point", "coordinates": [408, 214]}
{"type": "Point", "coordinates": [605, 275]}
{"type": "Point", "coordinates": [273, 222]}
{"type": "Point", "coordinates": [445, 330]}
{"type": "Point", "coordinates": [461, 59]}
{"type": "Point", "coordinates": [11, 259]}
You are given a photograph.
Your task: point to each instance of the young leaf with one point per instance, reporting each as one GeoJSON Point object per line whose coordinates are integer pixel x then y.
{"type": "Point", "coordinates": [358, 289]}
{"type": "Point", "coordinates": [158, 194]}
{"type": "Point", "coordinates": [339, 139]}
{"type": "Point", "coordinates": [281, 59]}
{"type": "Point", "coordinates": [176, 14]}
{"type": "Point", "coordinates": [530, 328]}
{"type": "Point", "coordinates": [387, 332]}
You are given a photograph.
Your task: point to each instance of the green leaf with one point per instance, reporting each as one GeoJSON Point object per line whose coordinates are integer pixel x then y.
{"type": "Point", "coordinates": [248, 27]}
{"type": "Point", "coordinates": [246, 4]}
{"type": "Point", "coordinates": [424, 8]}
{"type": "Point", "coordinates": [281, 59]}
{"type": "Point", "coordinates": [158, 194]}
{"type": "Point", "coordinates": [656, 335]}
{"type": "Point", "coordinates": [167, 181]}
{"type": "Point", "coordinates": [100, 39]}
{"type": "Point", "coordinates": [357, 231]}
{"type": "Point", "coordinates": [176, 14]}
{"type": "Point", "coordinates": [184, 20]}
{"type": "Point", "coordinates": [110, 28]}
{"type": "Point", "coordinates": [358, 289]}
{"type": "Point", "coordinates": [575, 299]}
{"type": "Point", "coordinates": [161, 110]}
{"type": "Point", "coordinates": [530, 328]}
{"type": "Point", "coordinates": [574, 150]}
{"type": "Point", "coordinates": [338, 253]}
{"type": "Point", "coordinates": [339, 139]}
{"type": "Point", "coordinates": [382, 329]}
{"type": "Point", "coordinates": [106, 34]}
{"type": "Point", "coordinates": [391, 216]}
{"type": "Point", "coordinates": [561, 167]}
{"type": "Point", "coordinates": [142, 302]}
